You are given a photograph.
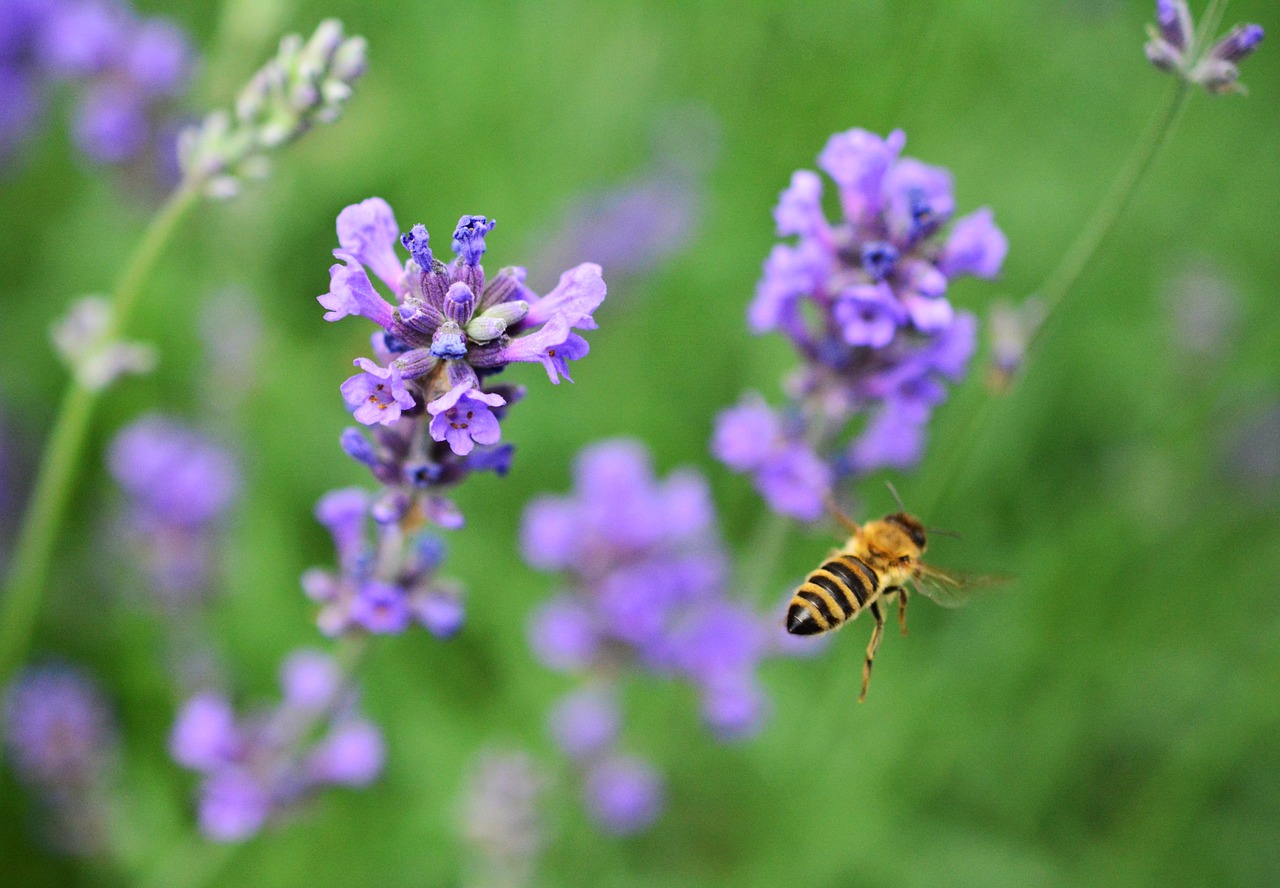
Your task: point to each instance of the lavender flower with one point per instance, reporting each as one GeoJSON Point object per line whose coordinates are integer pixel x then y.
{"type": "Point", "coordinates": [1173, 47]}
{"type": "Point", "coordinates": [179, 486]}
{"type": "Point", "coordinates": [61, 739]}
{"type": "Point", "coordinates": [83, 339]}
{"type": "Point", "coordinates": [383, 584]}
{"type": "Point", "coordinates": [1011, 329]}
{"type": "Point", "coordinates": [305, 83]}
{"type": "Point", "coordinates": [863, 300]}
{"type": "Point", "coordinates": [645, 591]}
{"type": "Point", "coordinates": [446, 332]}
{"type": "Point", "coordinates": [124, 71]}
{"type": "Point", "coordinates": [255, 768]}
{"type": "Point", "coordinates": [501, 820]}
{"type": "Point", "coordinates": [624, 794]}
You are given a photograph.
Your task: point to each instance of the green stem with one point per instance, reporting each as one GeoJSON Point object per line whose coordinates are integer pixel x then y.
{"type": "Point", "coordinates": [1058, 285]}
{"type": "Point", "coordinates": [1061, 281]}
{"type": "Point", "coordinates": [61, 461]}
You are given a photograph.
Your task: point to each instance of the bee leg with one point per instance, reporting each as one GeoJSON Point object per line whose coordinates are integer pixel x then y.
{"type": "Point", "coordinates": [876, 634]}
{"type": "Point", "coordinates": [902, 609]}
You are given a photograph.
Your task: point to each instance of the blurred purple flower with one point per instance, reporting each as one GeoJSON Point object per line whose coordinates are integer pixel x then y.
{"type": "Point", "coordinates": [256, 767]}
{"type": "Point", "coordinates": [586, 722]}
{"type": "Point", "coordinates": [179, 485]}
{"type": "Point", "coordinates": [61, 739]}
{"type": "Point", "coordinates": [645, 591]}
{"type": "Point", "coordinates": [624, 794]}
{"type": "Point", "coordinates": [123, 70]}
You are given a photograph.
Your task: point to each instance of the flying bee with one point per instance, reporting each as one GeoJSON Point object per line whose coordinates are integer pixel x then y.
{"type": "Point", "coordinates": [877, 563]}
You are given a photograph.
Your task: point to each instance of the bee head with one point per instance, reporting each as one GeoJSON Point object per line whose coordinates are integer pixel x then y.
{"type": "Point", "coordinates": [911, 524]}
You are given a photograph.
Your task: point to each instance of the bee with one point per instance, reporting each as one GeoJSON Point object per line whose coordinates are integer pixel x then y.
{"type": "Point", "coordinates": [877, 563]}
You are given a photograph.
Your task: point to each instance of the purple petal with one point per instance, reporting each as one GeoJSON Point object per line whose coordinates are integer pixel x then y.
{"type": "Point", "coordinates": [368, 231]}
{"type": "Point", "coordinates": [579, 293]}
{"type": "Point", "coordinates": [791, 273]}
{"type": "Point", "coordinates": [976, 246]}
{"type": "Point", "coordinates": [745, 435]}
{"type": "Point", "coordinates": [310, 679]}
{"type": "Point", "coordinates": [563, 634]}
{"type": "Point", "coordinates": [378, 394]}
{"type": "Point", "coordinates": [858, 160]}
{"type": "Point", "coordinates": [381, 608]}
{"type": "Point", "coordinates": [205, 736]}
{"type": "Point", "coordinates": [585, 723]}
{"type": "Point", "coordinates": [799, 209]}
{"type": "Point", "coordinates": [351, 293]}
{"type": "Point", "coordinates": [624, 794]}
{"type": "Point", "coordinates": [462, 417]}
{"type": "Point", "coordinates": [795, 483]}
{"type": "Point", "coordinates": [919, 199]}
{"type": "Point", "coordinates": [868, 315]}
{"type": "Point", "coordinates": [550, 535]}
{"type": "Point", "coordinates": [352, 754]}
{"type": "Point", "coordinates": [233, 806]}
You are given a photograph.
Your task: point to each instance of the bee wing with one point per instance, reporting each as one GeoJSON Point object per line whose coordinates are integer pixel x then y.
{"type": "Point", "coordinates": [953, 589]}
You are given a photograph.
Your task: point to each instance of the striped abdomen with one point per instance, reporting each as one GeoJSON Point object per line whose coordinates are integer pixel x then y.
{"type": "Point", "coordinates": [831, 595]}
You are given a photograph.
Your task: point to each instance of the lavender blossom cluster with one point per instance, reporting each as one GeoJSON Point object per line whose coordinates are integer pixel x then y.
{"type": "Point", "coordinates": [61, 738]}
{"type": "Point", "coordinates": [864, 302]}
{"type": "Point", "coordinates": [123, 69]}
{"type": "Point", "coordinates": [1173, 47]}
{"type": "Point", "coordinates": [385, 580]}
{"type": "Point", "coordinates": [646, 579]}
{"type": "Point", "coordinates": [179, 485]}
{"type": "Point", "coordinates": [430, 401]}
{"type": "Point", "coordinates": [258, 767]}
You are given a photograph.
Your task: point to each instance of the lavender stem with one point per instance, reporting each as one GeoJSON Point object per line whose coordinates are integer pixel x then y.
{"type": "Point", "coordinates": [61, 460]}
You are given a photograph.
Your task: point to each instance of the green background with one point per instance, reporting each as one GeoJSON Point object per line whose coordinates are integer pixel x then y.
{"type": "Point", "coordinates": [1111, 719]}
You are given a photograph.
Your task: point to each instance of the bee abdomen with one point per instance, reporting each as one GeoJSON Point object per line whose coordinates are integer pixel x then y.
{"type": "Point", "coordinates": [831, 595]}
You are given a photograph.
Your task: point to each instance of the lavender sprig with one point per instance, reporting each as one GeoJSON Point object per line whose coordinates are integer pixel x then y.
{"type": "Point", "coordinates": [62, 739]}
{"type": "Point", "coordinates": [305, 83]}
{"type": "Point", "coordinates": [645, 578]}
{"type": "Point", "coordinates": [256, 768]}
{"type": "Point", "coordinates": [863, 300]}
{"type": "Point", "coordinates": [122, 69]}
{"type": "Point", "coordinates": [430, 402]}
{"type": "Point", "coordinates": [1176, 47]}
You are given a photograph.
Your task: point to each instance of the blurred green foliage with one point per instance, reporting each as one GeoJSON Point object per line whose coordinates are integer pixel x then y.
{"type": "Point", "coordinates": [1111, 720]}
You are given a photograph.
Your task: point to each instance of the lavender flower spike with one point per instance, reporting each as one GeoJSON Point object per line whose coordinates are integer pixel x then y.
{"type": "Point", "coordinates": [305, 83]}
{"type": "Point", "coordinates": [256, 768]}
{"type": "Point", "coordinates": [864, 301]}
{"type": "Point", "coordinates": [1172, 47]}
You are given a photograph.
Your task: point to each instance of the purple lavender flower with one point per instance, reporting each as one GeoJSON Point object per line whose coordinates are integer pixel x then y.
{"type": "Point", "coordinates": [646, 591]}
{"type": "Point", "coordinates": [61, 739]}
{"type": "Point", "coordinates": [382, 585]}
{"type": "Point", "coordinates": [256, 767]}
{"type": "Point", "coordinates": [57, 727]}
{"type": "Point", "coordinates": [444, 334]}
{"type": "Point", "coordinates": [449, 327]}
{"type": "Point", "coordinates": [864, 301]}
{"type": "Point", "coordinates": [624, 794]}
{"type": "Point", "coordinates": [789, 475]}
{"type": "Point", "coordinates": [1173, 47]}
{"type": "Point", "coordinates": [586, 722]}
{"type": "Point", "coordinates": [123, 69]}
{"type": "Point", "coordinates": [179, 485]}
